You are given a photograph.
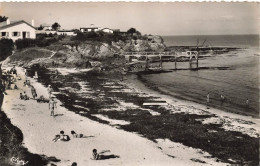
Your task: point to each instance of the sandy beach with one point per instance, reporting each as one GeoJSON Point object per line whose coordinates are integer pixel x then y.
{"type": "Point", "coordinates": [39, 128]}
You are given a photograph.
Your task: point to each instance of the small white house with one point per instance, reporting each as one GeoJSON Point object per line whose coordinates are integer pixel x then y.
{"type": "Point", "coordinates": [66, 32]}
{"type": "Point", "coordinates": [92, 28]}
{"type": "Point", "coordinates": [17, 30]}
{"type": "Point", "coordinates": [107, 30]}
{"type": "Point", "coordinates": [46, 27]}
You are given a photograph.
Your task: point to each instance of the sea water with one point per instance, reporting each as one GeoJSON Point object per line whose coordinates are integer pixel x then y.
{"type": "Point", "coordinates": [237, 83]}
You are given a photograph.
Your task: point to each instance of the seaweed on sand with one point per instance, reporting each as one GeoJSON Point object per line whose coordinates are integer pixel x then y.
{"type": "Point", "coordinates": [228, 146]}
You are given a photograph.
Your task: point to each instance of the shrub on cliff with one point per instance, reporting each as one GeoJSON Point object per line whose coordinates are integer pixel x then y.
{"type": "Point", "coordinates": [133, 31]}
{"type": "Point", "coordinates": [24, 43]}
{"type": "Point", "coordinates": [98, 36]}
{"type": "Point", "coordinates": [42, 40]}
{"type": "Point", "coordinates": [6, 48]}
{"type": "Point", "coordinates": [85, 36]}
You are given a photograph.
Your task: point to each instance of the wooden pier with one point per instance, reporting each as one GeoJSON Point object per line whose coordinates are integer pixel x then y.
{"type": "Point", "coordinates": [143, 60]}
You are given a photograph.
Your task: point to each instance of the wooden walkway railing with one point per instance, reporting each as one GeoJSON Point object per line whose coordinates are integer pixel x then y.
{"type": "Point", "coordinates": [147, 56]}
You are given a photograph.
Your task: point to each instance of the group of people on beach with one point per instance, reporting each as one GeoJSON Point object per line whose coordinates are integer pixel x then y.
{"type": "Point", "coordinates": [222, 100]}
{"type": "Point", "coordinates": [63, 137]}
{"type": "Point", "coordinates": [24, 96]}
{"type": "Point", "coordinates": [7, 78]}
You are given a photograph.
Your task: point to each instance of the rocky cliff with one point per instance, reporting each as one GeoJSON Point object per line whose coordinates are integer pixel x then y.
{"type": "Point", "coordinates": [89, 54]}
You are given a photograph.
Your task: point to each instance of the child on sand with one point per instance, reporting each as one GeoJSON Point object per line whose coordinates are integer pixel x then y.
{"type": "Point", "coordinates": [52, 104]}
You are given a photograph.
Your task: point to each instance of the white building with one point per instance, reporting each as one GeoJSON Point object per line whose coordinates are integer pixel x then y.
{"type": "Point", "coordinates": [107, 30]}
{"type": "Point", "coordinates": [66, 32]}
{"type": "Point", "coordinates": [17, 30]}
{"type": "Point", "coordinates": [46, 27]}
{"type": "Point", "coordinates": [92, 28]}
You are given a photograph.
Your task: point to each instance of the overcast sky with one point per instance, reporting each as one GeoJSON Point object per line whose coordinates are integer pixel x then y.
{"type": "Point", "coordinates": [149, 18]}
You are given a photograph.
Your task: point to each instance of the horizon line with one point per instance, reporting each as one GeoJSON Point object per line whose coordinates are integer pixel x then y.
{"type": "Point", "coordinates": [213, 35]}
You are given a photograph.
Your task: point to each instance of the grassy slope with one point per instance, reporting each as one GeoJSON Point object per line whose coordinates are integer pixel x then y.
{"type": "Point", "coordinates": [30, 54]}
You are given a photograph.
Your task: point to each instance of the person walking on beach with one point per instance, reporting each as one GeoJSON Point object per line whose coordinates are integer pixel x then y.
{"type": "Point", "coordinates": [222, 98]}
{"type": "Point", "coordinates": [247, 103]}
{"type": "Point", "coordinates": [34, 94]}
{"type": "Point", "coordinates": [25, 74]}
{"type": "Point", "coordinates": [207, 100]}
{"type": "Point", "coordinates": [50, 90]}
{"type": "Point", "coordinates": [52, 105]}
{"type": "Point", "coordinates": [35, 75]}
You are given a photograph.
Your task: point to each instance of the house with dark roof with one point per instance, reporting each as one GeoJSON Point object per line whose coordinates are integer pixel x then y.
{"type": "Point", "coordinates": [17, 30]}
{"type": "Point", "coordinates": [92, 28]}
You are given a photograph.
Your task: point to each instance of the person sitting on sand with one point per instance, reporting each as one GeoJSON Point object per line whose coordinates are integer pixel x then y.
{"type": "Point", "coordinates": [21, 96]}
{"type": "Point", "coordinates": [15, 86]}
{"type": "Point", "coordinates": [61, 137]}
{"type": "Point", "coordinates": [25, 96]}
{"type": "Point", "coordinates": [75, 135]}
{"type": "Point", "coordinates": [27, 83]}
{"type": "Point", "coordinates": [64, 137]}
{"type": "Point", "coordinates": [41, 99]}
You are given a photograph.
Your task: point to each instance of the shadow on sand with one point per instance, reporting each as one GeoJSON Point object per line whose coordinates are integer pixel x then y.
{"type": "Point", "coordinates": [58, 115]}
{"type": "Point", "coordinates": [105, 157]}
